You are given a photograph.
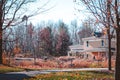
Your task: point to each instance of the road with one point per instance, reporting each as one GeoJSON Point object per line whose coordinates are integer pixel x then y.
{"type": "Point", "coordinates": [28, 74]}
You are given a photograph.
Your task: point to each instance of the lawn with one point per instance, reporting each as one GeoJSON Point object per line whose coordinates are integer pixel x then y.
{"type": "Point", "coordinates": [81, 75]}
{"type": "Point", "coordinates": [4, 69]}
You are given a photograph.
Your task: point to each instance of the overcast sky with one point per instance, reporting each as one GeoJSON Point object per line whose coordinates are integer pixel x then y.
{"type": "Point", "coordinates": [62, 10]}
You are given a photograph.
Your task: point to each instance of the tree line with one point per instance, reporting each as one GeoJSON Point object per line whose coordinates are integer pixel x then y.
{"type": "Point", "coordinates": [50, 39]}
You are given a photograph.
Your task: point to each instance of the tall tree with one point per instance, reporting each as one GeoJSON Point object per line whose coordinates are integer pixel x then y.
{"type": "Point", "coordinates": [29, 37]}
{"type": "Point", "coordinates": [20, 35]}
{"type": "Point", "coordinates": [63, 39]}
{"type": "Point", "coordinates": [74, 32]}
{"type": "Point", "coordinates": [8, 44]}
{"type": "Point", "coordinates": [46, 39]}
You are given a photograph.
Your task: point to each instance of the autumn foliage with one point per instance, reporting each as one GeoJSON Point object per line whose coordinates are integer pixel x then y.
{"type": "Point", "coordinates": [16, 50]}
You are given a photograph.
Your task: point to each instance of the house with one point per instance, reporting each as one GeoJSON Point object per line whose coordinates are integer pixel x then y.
{"type": "Point", "coordinates": [76, 50]}
{"type": "Point", "coordinates": [93, 47]}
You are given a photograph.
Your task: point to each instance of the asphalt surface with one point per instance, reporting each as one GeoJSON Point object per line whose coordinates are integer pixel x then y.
{"type": "Point", "coordinates": [28, 74]}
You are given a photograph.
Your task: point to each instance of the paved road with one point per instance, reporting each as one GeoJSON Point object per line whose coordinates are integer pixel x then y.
{"type": "Point", "coordinates": [28, 74]}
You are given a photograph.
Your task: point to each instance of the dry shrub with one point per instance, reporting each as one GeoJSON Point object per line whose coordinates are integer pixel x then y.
{"type": "Point", "coordinates": [46, 64]}
{"type": "Point", "coordinates": [4, 59]}
{"type": "Point", "coordinates": [63, 62]}
{"type": "Point", "coordinates": [105, 63]}
{"type": "Point", "coordinates": [66, 65]}
{"type": "Point", "coordinates": [81, 63]}
{"type": "Point", "coordinates": [113, 63]}
{"type": "Point", "coordinates": [24, 63]}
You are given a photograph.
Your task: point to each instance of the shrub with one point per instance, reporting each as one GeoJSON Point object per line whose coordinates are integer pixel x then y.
{"type": "Point", "coordinates": [81, 64]}
{"type": "Point", "coordinates": [25, 63]}
{"type": "Point", "coordinates": [4, 69]}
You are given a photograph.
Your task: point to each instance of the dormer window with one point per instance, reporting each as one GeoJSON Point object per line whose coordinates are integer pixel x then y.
{"type": "Point", "coordinates": [87, 43]}
{"type": "Point", "coordinates": [102, 42]}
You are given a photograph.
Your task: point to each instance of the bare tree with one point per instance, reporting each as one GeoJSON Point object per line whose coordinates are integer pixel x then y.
{"type": "Point", "coordinates": [86, 29]}
{"type": "Point", "coordinates": [109, 8]}
{"type": "Point", "coordinates": [100, 10]}
{"type": "Point", "coordinates": [8, 44]}
{"type": "Point", "coordinates": [74, 32]}
{"type": "Point", "coordinates": [11, 13]}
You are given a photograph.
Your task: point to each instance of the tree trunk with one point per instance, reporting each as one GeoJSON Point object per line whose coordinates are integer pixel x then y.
{"type": "Point", "coordinates": [0, 45]}
{"type": "Point", "coordinates": [109, 51]}
{"type": "Point", "coordinates": [117, 66]}
{"type": "Point", "coordinates": [1, 23]}
{"type": "Point", "coordinates": [109, 36]}
{"type": "Point", "coordinates": [1, 42]}
{"type": "Point", "coordinates": [117, 63]}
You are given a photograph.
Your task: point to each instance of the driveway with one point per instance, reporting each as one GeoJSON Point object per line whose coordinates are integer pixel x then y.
{"type": "Point", "coordinates": [15, 76]}
{"type": "Point", "coordinates": [28, 74]}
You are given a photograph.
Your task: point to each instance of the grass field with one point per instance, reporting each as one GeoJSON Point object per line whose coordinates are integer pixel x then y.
{"type": "Point", "coordinates": [82, 75]}
{"type": "Point", "coordinates": [4, 69]}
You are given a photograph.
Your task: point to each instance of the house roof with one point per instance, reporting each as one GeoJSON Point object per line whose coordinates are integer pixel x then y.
{"type": "Point", "coordinates": [78, 46]}
{"type": "Point", "coordinates": [94, 38]}
{"type": "Point", "coordinates": [81, 51]}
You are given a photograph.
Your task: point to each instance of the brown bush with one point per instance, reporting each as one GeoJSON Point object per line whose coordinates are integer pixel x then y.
{"type": "Point", "coordinates": [81, 64]}
{"type": "Point", "coordinates": [46, 64]}
{"type": "Point", "coordinates": [24, 63]}
{"type": "Point", "coordinates": [63, 63]}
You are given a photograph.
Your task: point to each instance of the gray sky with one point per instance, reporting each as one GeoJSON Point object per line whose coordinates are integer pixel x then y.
{"type": "Point", "coordinates": [63, 10]}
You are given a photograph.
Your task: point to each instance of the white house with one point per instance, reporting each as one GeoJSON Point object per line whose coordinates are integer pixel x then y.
{"type": "Point", "coordinates": [93, 47]}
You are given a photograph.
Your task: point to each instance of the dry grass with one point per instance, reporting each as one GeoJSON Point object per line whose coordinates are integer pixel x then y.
{"type": "Point", "coordinates": [81, 75]}
{"type": "Point", "coordinates": [62, 62]}
{"type": "Point", "coordinates": [46, 64]}
{"type": "Point", "coordinates": [4, 69]}
{"type": "Point", "coordinates": [81, 63]}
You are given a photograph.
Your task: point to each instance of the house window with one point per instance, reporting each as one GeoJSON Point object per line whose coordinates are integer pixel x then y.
{"type": "Point", "coordinates": [102, 42]}
{"type": "Point", "coordinates": [87, 43]}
